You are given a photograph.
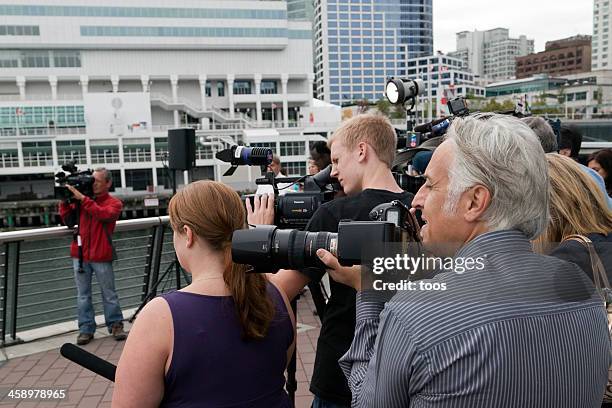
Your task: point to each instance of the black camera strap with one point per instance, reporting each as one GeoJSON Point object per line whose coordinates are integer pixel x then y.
{"type": "Point", "coordinates": [78, 238]}
{"type": "Point", "coordinates": [110, 241]}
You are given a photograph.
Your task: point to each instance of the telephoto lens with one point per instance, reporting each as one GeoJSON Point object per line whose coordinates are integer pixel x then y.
{"type": "Point", "coordinates": [268, 248]}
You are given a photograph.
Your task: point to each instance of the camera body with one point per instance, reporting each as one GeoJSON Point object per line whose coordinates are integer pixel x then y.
{"type": "Point", "coordinates": [294, 210]}
{"type": "Point", "coordinates": [268, 248]}
{"type": "Point", "coordinates": [83, 181]}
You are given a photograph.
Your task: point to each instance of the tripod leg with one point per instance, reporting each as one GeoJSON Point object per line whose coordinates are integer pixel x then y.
{"type": "Point", "coordinates": [153, 291]}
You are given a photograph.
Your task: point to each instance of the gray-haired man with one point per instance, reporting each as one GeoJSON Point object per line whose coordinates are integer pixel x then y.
{"type": "Point", "coordinates": [517, 330]}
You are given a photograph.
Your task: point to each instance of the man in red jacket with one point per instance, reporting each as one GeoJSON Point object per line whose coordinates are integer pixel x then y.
{"type": "Point", "coordinates": [96, 225]}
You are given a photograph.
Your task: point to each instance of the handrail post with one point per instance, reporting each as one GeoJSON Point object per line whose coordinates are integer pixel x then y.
{"type": "Point", "coordinates": [15, 290]}
{"type": "Point", "coordinates": [149, 260]}
{"type": "Point", "coordinates": [154, 259]}
{"type": "Point", "coordinates": [5, 290]}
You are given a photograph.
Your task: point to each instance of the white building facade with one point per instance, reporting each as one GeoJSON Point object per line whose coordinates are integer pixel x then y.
{"type": "Point", "coordinates": [101, 84]}
{"type": "Point", "coordinates": [491, 54]}
{"type": "Point", "coordinates": [601, 58]}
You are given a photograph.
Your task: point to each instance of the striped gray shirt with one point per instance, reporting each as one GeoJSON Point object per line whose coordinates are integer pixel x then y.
{"type": "Point", "coordinates": [526, 331]}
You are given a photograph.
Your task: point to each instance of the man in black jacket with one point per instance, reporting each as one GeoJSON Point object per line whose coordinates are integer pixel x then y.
{"type": "Point", "coordinates": [362, 151]}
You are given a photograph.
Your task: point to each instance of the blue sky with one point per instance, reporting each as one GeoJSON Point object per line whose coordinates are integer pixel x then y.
{"type": "Point", "coordinates": [542, 20]}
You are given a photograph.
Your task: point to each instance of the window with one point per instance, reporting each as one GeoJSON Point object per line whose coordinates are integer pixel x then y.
{"type": "Point", "coordinates": [220, 89]}
{"type": "Point", "coordinates": [295, 168]}
{"type": "Point", "coordinates": [35, 59]}
{"type": "Point", "coordinates": [36, 154]}
{"type": "Point", "coordinates": [135, 153]}
{"type": "Point", "coordinates": [161, 148]}
{"type": "Point", "coordinates": [9, 158]}
{"type": "Point", "coordinates": [67, 59]}
{"type": "Point", "coordinates": [242, 87]}
{"type": "Point", "coordinates": [208, 89]}
{"type": "Point", "coordinates": [19, 30]}
{"type": "Point", "coordinates": [71, 150]}
{"type": "Point", "coordinates": [269, 87]}
{"type": "Point", "coordinates": [292, 149]}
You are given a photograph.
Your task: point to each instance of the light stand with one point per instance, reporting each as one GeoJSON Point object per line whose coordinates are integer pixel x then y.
{"type": "Point", "coordinates": [173, 265]}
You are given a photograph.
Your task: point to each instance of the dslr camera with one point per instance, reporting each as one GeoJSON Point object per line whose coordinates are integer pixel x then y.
{"type": "Point", "coordinates": [81, 180]}
{"type": "Point", "coordinates": [268, 248]}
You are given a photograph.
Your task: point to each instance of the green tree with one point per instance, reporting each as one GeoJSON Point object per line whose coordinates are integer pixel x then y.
{"type": "Point", "coordinates": [383, 106]}
{"type": "Point", "coordinates": [399, 112]}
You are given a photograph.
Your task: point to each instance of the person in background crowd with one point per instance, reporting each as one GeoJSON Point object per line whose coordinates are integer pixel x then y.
{"type": "Point", "coordinates": [276, 168]}
{"type": "Point", "coordinates": [312, 167]}
{"type": "Point", "coordinates": [420, 161]}
{"type": "Point", "coordinates": [502, 332]}
{"type": "Point", "coordinates": [98, 216]}
{"type": "Point", "coordinates": [601, 162]}
{"type": "Point", "coordinates": [576, 208]}
{"type": "Point", "coordinates": [572, 139]}
{"type": "Point", "coordinates": [320, 153]}
{"type": "Point", "coordinates": [223, 340]}
{"type": "Point", "coordinates": [544, 132]}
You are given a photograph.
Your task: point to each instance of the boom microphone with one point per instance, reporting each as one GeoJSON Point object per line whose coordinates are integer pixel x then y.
{"type": "Point", "coordinates": [89, 361]}
{"type": "Point", "coordinates": [245, 156]}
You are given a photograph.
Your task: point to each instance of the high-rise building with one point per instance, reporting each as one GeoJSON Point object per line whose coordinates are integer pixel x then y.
{"type": "Point", "coordinates": [300, 10]}
{"type": "Point", "coordinates": [491, 54]}
{"type": "Point", "coordinates": [562, 57]}
{"type": "Point", "coordinates": [359, 44]}
{"type": "Point", "coordinates": [602, 25]}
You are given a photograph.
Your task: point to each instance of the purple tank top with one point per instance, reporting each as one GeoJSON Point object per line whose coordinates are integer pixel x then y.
{"type": "Point", "coordinates": [213, 367]}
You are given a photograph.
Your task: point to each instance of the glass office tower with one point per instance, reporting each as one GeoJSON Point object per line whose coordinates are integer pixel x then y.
{"type": "Point", "coordinates": [358, 44]}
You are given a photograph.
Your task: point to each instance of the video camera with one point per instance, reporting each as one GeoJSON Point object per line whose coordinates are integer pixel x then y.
{"type": "Point", "coordinates": [294, 210]}
{"type": "Point", "coordinates": [81, 180]}
{"type": "Point", "coordinates": [291, 210]}
{"type": "Point", "coordinates": [425, 137]}
{"type": "Point", "coordinates": [268, 248]}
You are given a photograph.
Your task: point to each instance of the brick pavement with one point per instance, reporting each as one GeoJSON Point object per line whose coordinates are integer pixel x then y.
{"type": "Point", "coordinates": [85, 389]}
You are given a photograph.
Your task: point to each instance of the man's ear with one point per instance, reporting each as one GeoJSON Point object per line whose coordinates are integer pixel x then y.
{"type": "Point", "coordinates": [477, 201]}
{"type": "Point", "coordinates": [363, 150]}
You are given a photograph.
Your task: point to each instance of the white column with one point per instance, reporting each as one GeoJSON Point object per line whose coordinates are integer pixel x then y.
{"type": "Point", "coordinates": [121, 163]}
{"type": "Point", "coordinates": [54, 155]}
{"type": "Point", "coordinates": [257, 80]}
{"type": "Point", "coordinates": [174, 84]}
{"type": "Point", "coordinates": [284, 80]}
{"type": "Point", "coordinates": [230, 94]}
{"type": "Point", "coordinates": [53, 83]}
{"type": "Point", "coordinates": [204, 121]}
{"type": "Point", "coordinates": [21, 84]}
{"type": "Point", "coordinates": [88, 152]}
{"type": "Point", "coordinates": [20, 154]}
{"type": "Point", "coordinates": [588, 109]}
{"type": "Point", "coordinates": [154, 170]}
{"type": "Point", "coordinates": [203, 78]}
{"type": "Point", "coordinates": [310, 79]}
{"type": "Point", "coordinates": [115, 83]}
{"type": "Point", "coordinates": [84, 84]}
{"type": "Point", "coordinates": [144, 80]}
{"type": "Point", "coordinates": [123, 182]}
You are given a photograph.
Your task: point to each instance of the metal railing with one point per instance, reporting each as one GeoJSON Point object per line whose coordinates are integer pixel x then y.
{"type": "Point", "coordinates": [37, 286]}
